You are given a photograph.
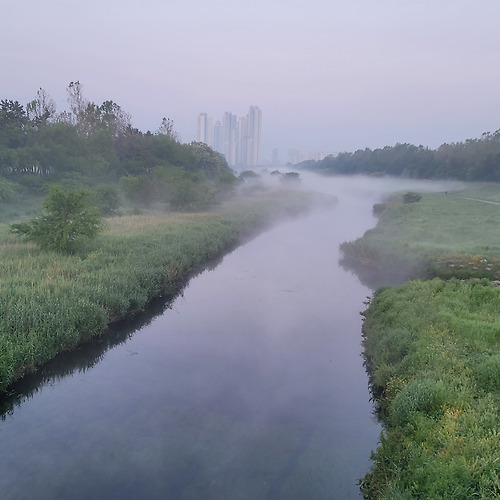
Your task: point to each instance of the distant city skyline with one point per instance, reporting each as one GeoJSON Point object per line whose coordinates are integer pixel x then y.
{"type": "Point", "coordinates": [237, 138]}
{"type": "Point", "coordinates": [329, 75]}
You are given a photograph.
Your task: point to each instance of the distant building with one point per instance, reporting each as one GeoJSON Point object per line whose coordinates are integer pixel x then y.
{"type": "Point", "coordinates": [276, 157]}
{"type": "Point", "coordinates": [205, 129]}
{"type": "Point", "coordinates": [229, 137]}
{"type": "Point", "coordinates": [254, 119]}
{"type": "Point", "coordinates": [238, 139]}
{"type": "Point", "coordinates": [217, 137]}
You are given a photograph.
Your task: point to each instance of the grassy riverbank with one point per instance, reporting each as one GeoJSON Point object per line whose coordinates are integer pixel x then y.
{"type": "Point", "coordinates": [432, 347]}
{"type": "Point", "coordinates": [52, 302]}
{"type": "Point", "coordinates": [443, 235]}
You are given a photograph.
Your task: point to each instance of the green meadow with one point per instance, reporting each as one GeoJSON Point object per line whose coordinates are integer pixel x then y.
{"type": "Point", "coordinates": [432, 346]}
{"type": "Point", "coordinates": [52, 302]}
{"type": "Point", "coordinates": [444, 235]}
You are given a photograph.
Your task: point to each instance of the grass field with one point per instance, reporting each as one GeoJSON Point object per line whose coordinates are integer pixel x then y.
{"type": "Point", "coordinates": [432, 348]}
{"type": "Point", "coordinates": [442, 235]}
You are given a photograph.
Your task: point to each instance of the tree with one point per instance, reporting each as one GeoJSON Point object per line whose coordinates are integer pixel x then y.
{"type": "Point", "coordinates": [13, 124]}
{"type": "Point", "coordinates": [208, 162]}
{"type": "Point", "coordinates": [41, 109]}
{"type": "Point", "coordinates": [167, 128]}
{"type": "Point", "coordinates": [69, 221]}
{"type": "Point", "coordinates": [106, 199]}
{"type": "Point", "coordinates": [112, 116]}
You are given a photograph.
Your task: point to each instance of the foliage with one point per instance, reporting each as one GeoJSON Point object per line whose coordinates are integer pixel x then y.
{"type": "Point", "coordinates": [188, 191]}
{"type": "Point", "coordinates": [69, 222]}
{"type": "Point", "coordinates": [249, 174]}
{"type": "Point", "coordinates": [106, 199]}
{"type": "Point", "coordinates": [210, 163]}
{"type": "Point", "coordinates": [472, 160]}
{"type": "Point", "coordinates": [411, 197]}
{"type": "Point", "coordinates": [95, 144]}
{"type": "Point", "coordinates": [290, 177]}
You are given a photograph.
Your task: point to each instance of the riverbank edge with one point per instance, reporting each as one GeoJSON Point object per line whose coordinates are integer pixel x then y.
{"type": "Point", "coordinates": [427, 448]}
{"type": "Point", "coordinates": [54, 303]}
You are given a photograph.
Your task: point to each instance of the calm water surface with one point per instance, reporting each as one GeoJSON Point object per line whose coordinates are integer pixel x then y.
{"type": "Point", "coordinates": [248, 386]}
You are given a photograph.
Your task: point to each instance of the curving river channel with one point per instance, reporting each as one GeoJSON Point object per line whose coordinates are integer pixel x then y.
{"type": "Point", "coordinates": [249, 385]}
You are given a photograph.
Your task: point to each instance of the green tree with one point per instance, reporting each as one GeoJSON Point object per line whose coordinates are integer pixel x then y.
{"type": "Point", "coordinates": [208, 162]}
{"type": "Point", "coordinates": [106, 199]}
{"type": "Point", "coordinates": [13, 124]}
{"type": "Point", "coordinates": [189, 191]}
{"type": "Point", "coordinates": [41, 109]}
{"type": "Point", "coordinates": [68, 223]}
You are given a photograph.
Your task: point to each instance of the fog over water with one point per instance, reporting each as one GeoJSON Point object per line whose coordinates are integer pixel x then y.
{"type": "Point", "coordinates": [249, 385]}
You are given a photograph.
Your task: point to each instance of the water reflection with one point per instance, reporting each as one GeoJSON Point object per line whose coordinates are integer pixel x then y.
{"type": "Point", "coordinates": [92, 352]}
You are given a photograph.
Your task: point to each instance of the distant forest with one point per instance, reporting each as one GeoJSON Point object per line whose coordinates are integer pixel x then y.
{"type": "Point", "coordinates": [472, 160]}
{"type": "Point", "coordinates": [94, 145]}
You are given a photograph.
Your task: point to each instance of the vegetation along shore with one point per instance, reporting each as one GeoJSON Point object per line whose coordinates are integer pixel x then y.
{"type": "Point", "coordinates": [86, 261]}
{"type": "Point", "coordinates": [52, 301]}
{"type": "Point", "coordinates": [431, 345]}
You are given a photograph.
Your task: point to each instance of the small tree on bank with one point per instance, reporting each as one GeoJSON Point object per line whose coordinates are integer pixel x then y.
{"type": "Point", "coordinates": [69, 221]}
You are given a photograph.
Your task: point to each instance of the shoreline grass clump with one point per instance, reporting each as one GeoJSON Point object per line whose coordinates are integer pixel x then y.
{"type": "Point", "coordinates": [52, 302]}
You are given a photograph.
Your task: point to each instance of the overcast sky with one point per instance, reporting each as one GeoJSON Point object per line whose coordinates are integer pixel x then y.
{"type": "Point", "coordinates": [328, 75]}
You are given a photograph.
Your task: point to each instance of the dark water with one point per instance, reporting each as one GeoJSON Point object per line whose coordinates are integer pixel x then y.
{"type": "Point", "coordinates": [248, 386]}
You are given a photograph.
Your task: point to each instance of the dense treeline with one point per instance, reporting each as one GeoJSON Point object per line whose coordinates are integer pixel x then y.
{"type": "Point", "coordinates": [91, 145]}
{"type": "Point", "coordinates": [472, 160]}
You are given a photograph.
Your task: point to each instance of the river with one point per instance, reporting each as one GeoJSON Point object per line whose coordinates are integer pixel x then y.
{"type": "Point", "coordinates": [249, 385]}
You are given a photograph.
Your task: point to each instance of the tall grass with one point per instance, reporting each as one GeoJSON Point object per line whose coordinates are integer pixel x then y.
{"type": "Point", "coordinates": [51, 302]}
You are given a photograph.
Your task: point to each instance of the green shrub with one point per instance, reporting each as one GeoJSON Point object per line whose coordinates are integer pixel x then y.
{"type": "Point", "coordinates": [411, 197]}
{"type": "Point", "coordinates": [68, 222]}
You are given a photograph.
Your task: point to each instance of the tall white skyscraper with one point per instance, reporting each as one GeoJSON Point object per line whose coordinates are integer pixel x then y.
{"type": "Point", "coordinates": [205, 129]}
{"type": "Point", "coordinates": [254, 119]}
{"type": "Point", "coordinates": [238, 139]}
{"type": "Point", "coordinates": [229, 137]}
{"type": "Point", "coordinates": [218, 137]}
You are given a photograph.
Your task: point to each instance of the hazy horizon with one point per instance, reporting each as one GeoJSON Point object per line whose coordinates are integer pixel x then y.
{"type": "Point", "coordinates": [328, 75]}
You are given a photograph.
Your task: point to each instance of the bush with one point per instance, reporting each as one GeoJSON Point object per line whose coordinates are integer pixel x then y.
{"type": "Point", "coordinates": [69, 221]}
{"type": "Point", "coordinates": [411, 197]}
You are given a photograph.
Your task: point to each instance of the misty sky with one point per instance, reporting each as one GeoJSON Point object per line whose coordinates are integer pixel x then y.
{"type": "Point", "coordinates": [328, 75]}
